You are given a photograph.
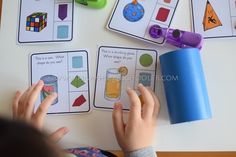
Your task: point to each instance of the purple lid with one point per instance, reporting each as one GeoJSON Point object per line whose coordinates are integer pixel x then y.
{"type": "Point", "coordinates": [155, 31]}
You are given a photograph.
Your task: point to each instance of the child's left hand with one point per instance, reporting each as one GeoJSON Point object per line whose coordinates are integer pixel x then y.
{"type": "Point", "coordinates": [23, 109]}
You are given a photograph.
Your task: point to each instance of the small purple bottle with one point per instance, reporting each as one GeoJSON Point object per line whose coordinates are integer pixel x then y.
{"type": "Point", "coordinates": [178, 38]}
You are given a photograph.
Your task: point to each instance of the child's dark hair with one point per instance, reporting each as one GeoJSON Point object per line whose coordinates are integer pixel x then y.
{"type": "Point", "coordinates": [20, 139]}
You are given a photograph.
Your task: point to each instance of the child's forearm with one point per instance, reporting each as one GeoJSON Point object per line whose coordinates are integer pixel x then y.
{"type": "Point", "coordinates": [144, 152]}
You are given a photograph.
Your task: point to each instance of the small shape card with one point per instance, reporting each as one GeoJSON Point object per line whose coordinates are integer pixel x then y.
{"type": "Point", "coordinates": [214, 18]}
{"type": "Point", "coordinates": [65, 73]}
{"type": "Point", "coordinates": [119, 68]}
{"type": "Point", "coordinates": [45, 21]}
{"type": "Point", "coordinates": [135, 17]}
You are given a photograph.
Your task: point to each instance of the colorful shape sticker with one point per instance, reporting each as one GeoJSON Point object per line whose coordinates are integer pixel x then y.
{"type": "Point", "coordinates": [210, 19]}
{"type": "Point", "coordinates": [79, 101]}
{"type": "Point", "coordinates": [146, 60]}
{"type": "Point", "coordinates": [36, 22]}
{"type": "Point", "coordinates": [77, 62]}
{"type": "Point", "coordinates": [133, 11]}
{"type": "Point", "coordinates": [162, 14]}
{"type": "Point", "coordinates": [77, 82]}
{"type": "Point", "coordinates": [62, 11]}
{"type": "Point", "coordinates": [62, 31]}
{"type": "Point", "coordinates": [145, 79]}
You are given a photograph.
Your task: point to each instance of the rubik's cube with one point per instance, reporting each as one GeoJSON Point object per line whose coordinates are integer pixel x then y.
{"type": "Point", "coordinates": [36, 22]}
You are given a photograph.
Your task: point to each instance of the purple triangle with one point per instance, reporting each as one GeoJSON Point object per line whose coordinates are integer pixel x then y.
{"type": "Point", "coordinates": [62, 11]}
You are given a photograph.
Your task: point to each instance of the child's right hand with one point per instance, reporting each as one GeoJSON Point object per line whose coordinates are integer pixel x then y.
{"type": "Point", "coordinates": [23, 109]}
{"type": "Point", "coordinates": [139, 131]}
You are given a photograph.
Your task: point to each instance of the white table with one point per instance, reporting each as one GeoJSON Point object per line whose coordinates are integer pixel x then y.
{"type": "Point", "coordinates": [95, 129]}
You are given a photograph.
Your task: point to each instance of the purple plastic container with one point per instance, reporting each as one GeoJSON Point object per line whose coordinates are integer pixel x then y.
{"type": "Point", "coordinates": [178, 38]}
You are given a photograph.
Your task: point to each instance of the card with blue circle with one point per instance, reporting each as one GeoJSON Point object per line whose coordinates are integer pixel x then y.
{"type": "Point", "coordinates": [135, 17]}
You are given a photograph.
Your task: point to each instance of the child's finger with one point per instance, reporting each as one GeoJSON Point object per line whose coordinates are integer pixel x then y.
{"type": "Point", "coordinates": [59, 133]}
{"type": "Point", "coordinates": [22, 102]}
{"type": "Point", "coordinates": [157, 104]}
{"type": "Point", "coordinates": [135, 104]}
{"type": "Point", "coordinates": [15, 104]}
{"type": "Point", "coordinates": [42, 110]}
{"type": "Point", "coordinates": [33, 96]}
{"type": "Point", "coordinates": [148, 106]}
{"type": "Point", "coordinates": [118, 123]}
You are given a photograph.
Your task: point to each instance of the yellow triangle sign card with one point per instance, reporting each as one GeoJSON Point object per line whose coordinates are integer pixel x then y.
{"type": "Point", "coordinates": [210, 20]}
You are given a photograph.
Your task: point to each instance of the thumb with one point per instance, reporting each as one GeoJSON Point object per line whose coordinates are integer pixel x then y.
{"type": "Point", "coordinates": [59, 133]}
{"type": "Point", "coordinates": [118, 123]}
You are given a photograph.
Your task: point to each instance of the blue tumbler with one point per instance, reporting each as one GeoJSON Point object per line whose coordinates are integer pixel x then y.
{"type": "Point", "coordinates": [185, 88]}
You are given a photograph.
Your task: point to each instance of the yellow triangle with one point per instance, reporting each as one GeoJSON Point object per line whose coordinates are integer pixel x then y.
{"type": "Point", "coordinates": [210, 19]}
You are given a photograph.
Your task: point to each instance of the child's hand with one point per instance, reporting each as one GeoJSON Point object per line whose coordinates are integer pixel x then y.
{"type": "Point", "coordinates": [23, 109]}
{"type": "Point", "coordinates": [140, 129]}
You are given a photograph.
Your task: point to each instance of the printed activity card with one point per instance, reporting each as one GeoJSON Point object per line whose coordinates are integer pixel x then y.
{"type": "Point", "coordinates": [135, 17]}
{"type": "Point", "coordinates": [45, 21]}
{"type": "Point", "coordinates": [214, 18]}
{"type": "Point", "coordinates": [119, 68]}
{"type": "Point", "coordinates": [65, 73]}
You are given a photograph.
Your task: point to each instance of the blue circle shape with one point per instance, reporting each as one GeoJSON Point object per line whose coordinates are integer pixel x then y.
{"type": "Point", "coordinates": [133, 12]}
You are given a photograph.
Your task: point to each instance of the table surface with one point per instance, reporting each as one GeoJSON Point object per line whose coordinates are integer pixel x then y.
{"type": "Point", "coordinates": [95, 129]}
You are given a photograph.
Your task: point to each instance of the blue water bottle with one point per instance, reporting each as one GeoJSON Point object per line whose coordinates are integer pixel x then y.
{"type": "Point", "coordinates": [186, 95]}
